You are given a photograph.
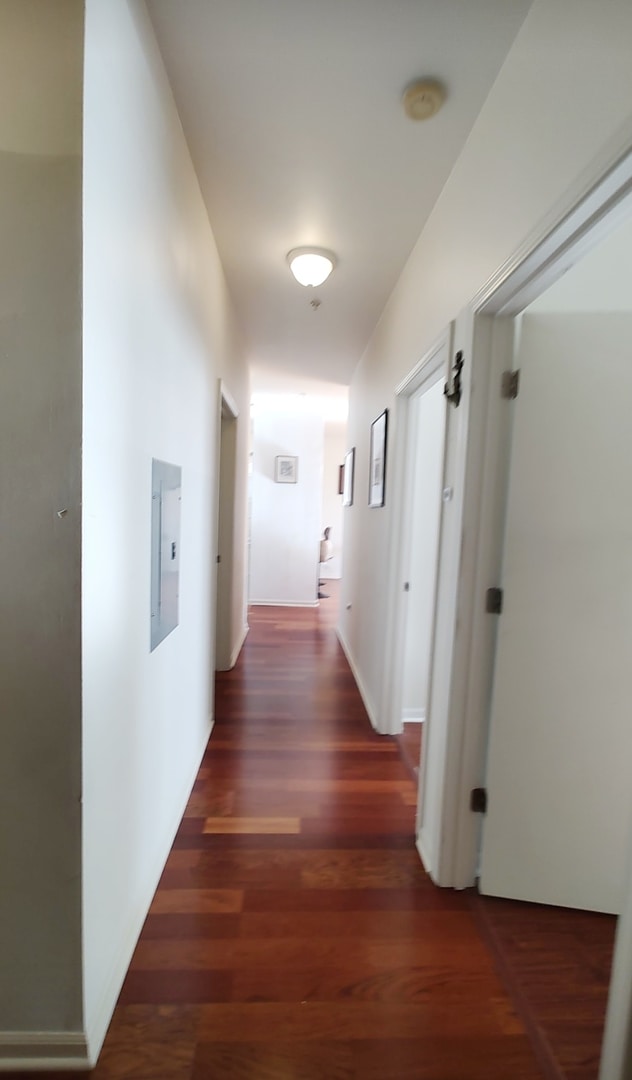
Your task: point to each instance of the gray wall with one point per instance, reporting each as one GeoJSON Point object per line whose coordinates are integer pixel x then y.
{"type": "Point", "coordinates": [40, 474]}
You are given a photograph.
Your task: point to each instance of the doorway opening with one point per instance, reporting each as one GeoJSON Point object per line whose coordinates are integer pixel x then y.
{"type": "Point", "coordinates": [557, 830]}
{"type": "Point", "coordinates": [425, 445]}
{"type": "Point", "coordinates": [421, 426]}
{"type": "Point", "coordinates": [224, 637]}
{"type": "Point", "coordinates": [560, 700]}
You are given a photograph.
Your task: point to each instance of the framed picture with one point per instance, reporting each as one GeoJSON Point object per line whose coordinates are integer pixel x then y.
{"type": "Point", "coordinates": [285, 469]}
{"type": "Point", "coordinates": [347, 486]}
{"type": "Point", "coordinates": [377, 460]}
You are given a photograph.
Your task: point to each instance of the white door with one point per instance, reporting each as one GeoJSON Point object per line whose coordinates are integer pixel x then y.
{"type": "Point", "coordinates": [225, 630]}
{"type": "Point", "coordinates": [425, 453]}
{"type": "Point", "coordinates": [559, 776]}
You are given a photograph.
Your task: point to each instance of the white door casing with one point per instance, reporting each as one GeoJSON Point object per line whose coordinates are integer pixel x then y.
{"type": "Point", "coordinates": [581, 220]}
{"type": "Point", "coordinates": [583, 215]}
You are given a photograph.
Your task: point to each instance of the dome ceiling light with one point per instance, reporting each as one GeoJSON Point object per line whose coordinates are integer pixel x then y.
{"type": "Point", "coordinates": [311, 266]}
{"type": "Point", "coordinates": [423, 98]}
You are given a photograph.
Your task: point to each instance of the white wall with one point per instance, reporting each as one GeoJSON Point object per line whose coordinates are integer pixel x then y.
{"type": "Point", "coordinates": [158, 333]}
{"type": "Point", "coordinates": [426, 430]}
{"type": "Point", "coordinates": [285, 526]}
{"type": "Point", "coordinates": [41, 49]}
{"type": "Point", "coordinates": [533, 148]}
{"type": "Point", "coordinates": [334, 449]}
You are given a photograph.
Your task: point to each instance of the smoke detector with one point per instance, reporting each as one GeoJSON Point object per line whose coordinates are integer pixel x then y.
{"type": "Point", "coordinates": [423, 99]}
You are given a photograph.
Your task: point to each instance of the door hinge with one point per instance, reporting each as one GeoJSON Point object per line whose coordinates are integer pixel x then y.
{"type": "Point", "coordinates": [510, 384]}
{"type": "Point", "coordinates": [494, 601]}
{"type": "Point", "coordinates": [454, 395]}
{"type": "Point", "coordinates": [478, 800]}
{"type": "Point", "coordinates": [218, 559]}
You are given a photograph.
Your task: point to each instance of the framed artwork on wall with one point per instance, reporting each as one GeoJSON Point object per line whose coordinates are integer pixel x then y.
{"type": "Point", "coordinates": [348, 469]}
{"type": "Point", "coordinates": [377, 459]}
{"type": "Point", "coordinates": [285, 469]}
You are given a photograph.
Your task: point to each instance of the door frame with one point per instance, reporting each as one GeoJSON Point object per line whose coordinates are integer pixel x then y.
{"type": "Point", "coordinates": [595, 212]}
{"type": "Point", "coordinates": [490, 351]}
{"type": "Point", "coordinates": [224, 525]}
{"type": "Point", "coordinates": [429, 370]}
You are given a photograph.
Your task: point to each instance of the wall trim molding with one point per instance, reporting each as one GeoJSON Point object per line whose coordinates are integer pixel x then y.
{"type": "Point", "coordinates": [238, 646]}
{"type": "Point", "coordinates": [599, 202]}
{"type": "Point", "coordinates": [24, 1051]}
{"type": "Point", "coordinates": [283, 603]}
{"type": "Point", "coordinates": [366, 700]}
{"type": "Point", "coordinates": [423, 855]}
{"type": "Point", "coordinates": [413, 716]}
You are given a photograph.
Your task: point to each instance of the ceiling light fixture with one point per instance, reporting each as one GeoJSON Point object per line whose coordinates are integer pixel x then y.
{"type": "Point", "coordinates": [311, 266]}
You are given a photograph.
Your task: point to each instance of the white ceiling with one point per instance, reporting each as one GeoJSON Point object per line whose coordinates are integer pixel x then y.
{"type": "Point", "coordinates": [292, 111]}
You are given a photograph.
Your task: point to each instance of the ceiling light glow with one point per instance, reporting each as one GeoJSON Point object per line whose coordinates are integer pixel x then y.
{"type": "Point", "coordinates": [311, 266]}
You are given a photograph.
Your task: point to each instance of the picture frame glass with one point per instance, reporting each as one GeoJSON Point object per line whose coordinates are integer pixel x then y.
{"type": "Point", "coordinates": [285, 469]}
{"type": "Point", "coordinates": [347, 487]}
{"type": "Point", "coordinates": [377, 460]}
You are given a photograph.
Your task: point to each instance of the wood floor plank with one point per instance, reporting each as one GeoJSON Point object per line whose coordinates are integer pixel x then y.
{"type": "Point", "coordinates": [368, 899]}
{"type": "Point", "coordinates": [274, 825]}
{"type": "Point", "coordinates": [187, 985]}
{"type": "Point", "coordinates": [263, 1021]}
{"type": "Point", "coordinates": [429, 958]}
{"type": "Point", "coordinates": [181, 901]}
{"type": "Point", "coordinates": [294, 932]}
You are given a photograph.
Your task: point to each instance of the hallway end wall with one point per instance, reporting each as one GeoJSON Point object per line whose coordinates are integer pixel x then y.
{"type": "Point", "coordinates": [285, 526]}
{"type": "Point", "coordinates": [158, 334]}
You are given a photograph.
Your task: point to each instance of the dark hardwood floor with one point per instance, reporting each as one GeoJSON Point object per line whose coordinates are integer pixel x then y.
{"type": "Point", "coordinates": [556, 965]}
{"type": "Point", "coordinates": [410, 743]}
{"type": "Point", "coordinates": [294, 934]}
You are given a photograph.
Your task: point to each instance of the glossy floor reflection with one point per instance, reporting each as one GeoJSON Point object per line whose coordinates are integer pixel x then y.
{"type": "Point", "coordinates": [294, 933]}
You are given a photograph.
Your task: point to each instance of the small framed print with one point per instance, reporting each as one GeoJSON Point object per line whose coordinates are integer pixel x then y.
{"type": "Point", "coordinates": [285, 469]}
{"type": "Point", "coordinates": [347, 483]}
{"type": "Point", "coordinates": [377, 461]}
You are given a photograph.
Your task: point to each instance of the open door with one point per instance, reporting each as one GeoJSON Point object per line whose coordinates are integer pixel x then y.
{"type": "Point", "coordinates": [224, 620]}
{"type": "Point", "coordinates": [558, 777]}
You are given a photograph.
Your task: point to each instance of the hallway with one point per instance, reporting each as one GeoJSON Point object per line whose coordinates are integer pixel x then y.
{"type": "Point", "coordinates": [294, 933]}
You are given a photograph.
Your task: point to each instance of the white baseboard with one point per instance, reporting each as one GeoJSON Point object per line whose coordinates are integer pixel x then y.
{"type": "Point", "coordinates": [413, 716]}
{"type": "Point", "coordinates": [238, 647]}
{"type": "Point", "coordinates": [368, 704]}
{"type": "Point", "coordinates": [235, 650]}
{"type": "Point", "coordinates": [32, 1051]}
{"type": "Point", "coordinates": [423, 855]}
{"type": "Point", "coordinates": [97, 1025]}
{"type": "Point", "coordinates": [283, 603]}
